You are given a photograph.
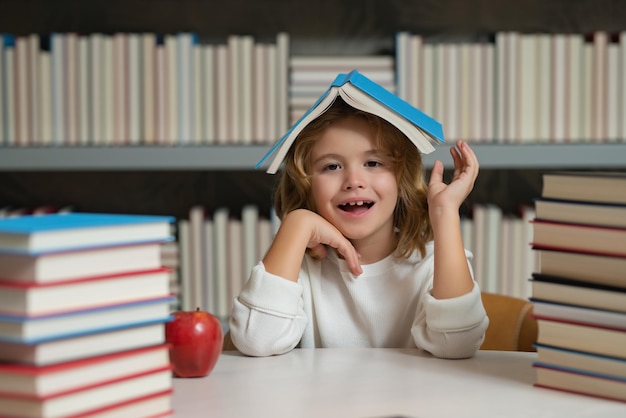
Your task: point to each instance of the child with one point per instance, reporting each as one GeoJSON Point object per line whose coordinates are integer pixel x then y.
{"type": "Point", "coordinates": [367, 255]}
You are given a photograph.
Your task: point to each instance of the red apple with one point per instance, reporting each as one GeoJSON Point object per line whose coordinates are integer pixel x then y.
{"type": "Point", "coordinates": [195, 339]}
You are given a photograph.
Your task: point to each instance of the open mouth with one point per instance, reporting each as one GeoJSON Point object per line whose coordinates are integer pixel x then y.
{"type": "Point", "coordinates": [356, 207]}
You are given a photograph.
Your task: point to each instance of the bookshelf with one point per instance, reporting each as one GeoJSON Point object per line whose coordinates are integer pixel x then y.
{"type": "Point", "coordinates": [171, 179]}
{"type": "Point", "coordinates": [329, 27]}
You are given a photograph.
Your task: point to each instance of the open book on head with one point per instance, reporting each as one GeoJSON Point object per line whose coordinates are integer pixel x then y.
{"type": "Point", "coordinates": [364, 94]}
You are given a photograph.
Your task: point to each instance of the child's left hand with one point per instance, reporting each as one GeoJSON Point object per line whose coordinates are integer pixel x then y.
{"type": "Point", "coordinates": [445, 196]}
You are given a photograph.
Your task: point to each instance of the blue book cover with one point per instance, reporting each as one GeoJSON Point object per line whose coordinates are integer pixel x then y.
{"type": "Point", "coordinates": [420, 128]}
{"type": "Point", "coordinates": [35, 330]}
{"type": "Point", "coordinates": [130, 324]}
{"type": "Point", "coordinates": [29, 224]}
{"type": "Point", "coordinates": [395, 103]}
{"type": "Point", "coordinates": [55, 232]}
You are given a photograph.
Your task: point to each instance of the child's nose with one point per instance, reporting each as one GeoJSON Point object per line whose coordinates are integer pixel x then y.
{"type": "Point", "coordinates": [354, 180]}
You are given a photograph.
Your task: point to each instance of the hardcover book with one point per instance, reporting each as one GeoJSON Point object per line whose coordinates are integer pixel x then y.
{"type": "Point", "coordinates": [602, 240]}
{"type": "Point", "coordinates": [580, 361]}
{"type": "Point", "coordinates": [89, 400]}
{"type": "Point", "coordinates": [362, 93]}
{"type": "Point", "coordinates": [589, 213]}
{"type": "Point", "coordinates": [156, 405]}
{"type": "Point", "coordinates": [575, 292]}
{"type": "Point", "coordinates": [40, 329]}
{"type": "Point", "coordinates": [601, 340]}
{"type": "Point", "coordinates": [85, 346]}
{"type": "Point", "coordinates": [34, 234]}
{"type": "Point", "coordinates": [590, 268]}
{"type": "Point", "coordinates": [33, 299]}
{"type": "Point", "coordinates": [582, 383]}
{"type": "Point", "coordinates": [25, 380]}
{"type": "Point", "coordinates": [575, 313]}
{"type": "Point", "coordinates": [603, 187]}
{"type": "Point", "coordinates": [79, 264]}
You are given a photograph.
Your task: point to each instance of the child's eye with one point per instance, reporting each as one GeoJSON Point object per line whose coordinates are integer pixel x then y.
{"type": "Point", "coordinates": [373, 163]}
{"type": "Point", "coordinates": [331, 167]}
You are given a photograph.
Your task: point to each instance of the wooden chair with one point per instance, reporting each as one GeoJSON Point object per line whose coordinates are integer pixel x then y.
{"type": "Point", "coordinates": [228, 343]}
{"type": "Point", "coordinates": [511, 324]}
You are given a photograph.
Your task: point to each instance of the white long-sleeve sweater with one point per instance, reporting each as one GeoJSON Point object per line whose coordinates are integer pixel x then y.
{"type": "Point", "coordinates": [388, 305]}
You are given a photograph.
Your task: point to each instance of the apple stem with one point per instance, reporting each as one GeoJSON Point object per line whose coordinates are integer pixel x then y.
{"type": "Point", "coordinates": [197, 309]}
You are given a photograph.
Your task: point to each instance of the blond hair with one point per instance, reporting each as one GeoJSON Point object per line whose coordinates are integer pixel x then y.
{"type": "Point", "coordinates": [293, 190]}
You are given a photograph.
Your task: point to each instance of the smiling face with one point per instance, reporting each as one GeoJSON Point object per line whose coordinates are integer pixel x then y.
{"type": "Point", "coordinates": [411, 228]}
{"type": "Point", "coordinates": [353, 185]}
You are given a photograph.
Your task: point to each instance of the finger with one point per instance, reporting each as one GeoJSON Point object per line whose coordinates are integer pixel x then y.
{"type": "Point", "coordinates": [457, 160]}
{"type": "Point", "coordinates": [351, 257]}
{"type": "Point", "coordinates": [471, 161]}
{"type": "Point", "coordinates": [333, 238]}
{"type": "Point", "coordinates": [349, 254]}
{"type": "Point", "coordinates": [354, 264]}
{"type": "Point", "coordinates": [468, 154]}
{"type": "Point", "coordinates": [436, 175]}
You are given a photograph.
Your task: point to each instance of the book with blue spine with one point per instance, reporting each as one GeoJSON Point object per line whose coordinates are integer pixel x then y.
{"type": "Point", "coordinates": [30, 330]}
{"type": "Point", "coordinates": [364, 94]}
{"type": "Point", "coordinates": [56, 232]}
{"type": "Point", "coordinates": [82, 346]}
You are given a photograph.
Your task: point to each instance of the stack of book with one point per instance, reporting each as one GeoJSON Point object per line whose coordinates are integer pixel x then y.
{"type": "Point", "coordinates": [83, 304]}
{"type": "Point", "coordinates": [579, 290]}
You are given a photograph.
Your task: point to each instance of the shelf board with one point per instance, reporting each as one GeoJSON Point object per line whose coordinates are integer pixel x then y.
{"type": "Point", "coordinates": [547, 156]}
{"type": "Point", "coordinates": [490, 156]}
{"type": "Point", "coordinates": [130, 158]}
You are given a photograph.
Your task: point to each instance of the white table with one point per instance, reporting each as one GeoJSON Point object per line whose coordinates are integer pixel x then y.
{"type": "Point", "coordinates": [379, 383]}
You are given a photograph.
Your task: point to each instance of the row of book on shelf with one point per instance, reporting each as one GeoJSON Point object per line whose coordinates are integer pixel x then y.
{"type": "Point", "coordinates": [579, 289]}
{"type": "Point", "coordinates": [503, 260]}
{"type": "Point", "coordinates": [174, 89]}
{"type": "Point", "coordinates": [520, 87]}
{"type": "Point", "coordinates": [141, 89]}
{"type": "Point", "coordinates": [217, 252]}
{"type": "Point", "coordinates": [83, 302]}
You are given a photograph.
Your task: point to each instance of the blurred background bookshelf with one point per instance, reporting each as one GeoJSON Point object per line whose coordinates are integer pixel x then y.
{"type": "Point", "coordinates": [139, 177]}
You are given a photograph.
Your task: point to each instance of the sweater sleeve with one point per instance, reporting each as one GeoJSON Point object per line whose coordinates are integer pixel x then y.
{"type": "Point", "coordinates": [451, 328]}
{"type": "Point", "coordinates": [268, 315]}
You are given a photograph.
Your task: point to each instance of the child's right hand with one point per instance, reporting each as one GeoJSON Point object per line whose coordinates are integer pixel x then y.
{"type": "Point", "coordinates": [323, 233]}
{"type": "Point", "coordinates": [302, 229]}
